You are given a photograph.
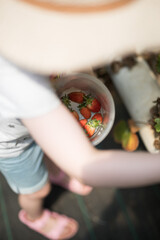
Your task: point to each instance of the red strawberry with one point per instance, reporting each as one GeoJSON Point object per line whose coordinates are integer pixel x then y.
{"type": "Point", "coordinates": [92, 103]}
{"type": "Point", "coordinates": [90, 127]}
{"type": "Point", "coordinates": [98, 116]}
{"type": "Point", "coordinates": [75, 114]}
{"type": "Point", "coordinates": [90, 130]}
{"type": "Point", "coordinates": [83, 122]}
{"type": "Point", "coordinates": [76, 96]}
{"type": "Point", "coordinates": [86, 113]}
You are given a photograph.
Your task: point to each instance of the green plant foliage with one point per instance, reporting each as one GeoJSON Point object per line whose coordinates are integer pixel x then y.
{"type": "Point", "coordinates": [157, 125]}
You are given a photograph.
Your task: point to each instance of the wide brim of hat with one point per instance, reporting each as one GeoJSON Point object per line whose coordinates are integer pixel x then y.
{"type": "Point", "coordinates": [47, 41]}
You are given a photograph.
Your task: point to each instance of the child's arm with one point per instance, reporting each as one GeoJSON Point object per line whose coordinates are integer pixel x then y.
{"type": "Point", "coordinates": [63, 140]}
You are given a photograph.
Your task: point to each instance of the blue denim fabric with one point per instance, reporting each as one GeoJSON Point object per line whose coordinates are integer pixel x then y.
{"type": "Point", "coordinates": [26, 173]}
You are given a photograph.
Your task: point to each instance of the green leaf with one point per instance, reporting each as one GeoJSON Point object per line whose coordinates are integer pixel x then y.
{"type": "Point", "coordinates": [157, 125]}
{"type": "Point", "coordinates": [121, 132]}
{"type": "Point", "coordinates": [94, 123]}
{"type": "Point", "coordinates": [66, 101]}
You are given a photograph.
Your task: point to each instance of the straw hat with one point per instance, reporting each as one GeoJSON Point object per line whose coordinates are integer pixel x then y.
{"type": "Point", "coordinates": [47, 36]}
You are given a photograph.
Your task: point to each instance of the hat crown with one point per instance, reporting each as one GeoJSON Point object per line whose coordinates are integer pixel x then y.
{"type": "Point", "coordinates": [78, 5]}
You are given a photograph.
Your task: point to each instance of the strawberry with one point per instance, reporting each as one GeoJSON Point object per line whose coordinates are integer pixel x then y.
{"type": "Point", "coordinates": [86, 113]}
{"type": "Point", "coordinates": [76, 96]}
{"type": "Point", "coordinates": [90, 127]}
{"type": "Point", "coordinates": [92, 103]}
{"type": "Point", "coordinates": [89, 130]}
{"type": "Point", "coordinates": [83, 122]}
{"type": "Point", "coordinates": [98, 116]}
{"type": "Point", "coordinates": [75, 114]}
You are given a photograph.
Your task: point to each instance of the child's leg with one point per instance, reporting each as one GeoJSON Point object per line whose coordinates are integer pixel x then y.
{"type": "Point", "coordinates": [28, 177]}
{"type": "Point", "coordinates": [33, 213]}
{"type": "Point", "coordinates": [33, 203]}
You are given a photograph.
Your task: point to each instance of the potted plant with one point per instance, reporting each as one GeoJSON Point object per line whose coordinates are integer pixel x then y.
{"type": "Point", "coordinates": [139, 90]}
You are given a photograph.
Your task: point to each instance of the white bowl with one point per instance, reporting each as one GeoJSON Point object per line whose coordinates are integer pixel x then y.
{"type": "Point", "coordinates": [90, 85]}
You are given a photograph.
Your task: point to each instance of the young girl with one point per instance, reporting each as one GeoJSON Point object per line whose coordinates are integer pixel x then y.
{"type": "Point", "coordinates": [33, 121]}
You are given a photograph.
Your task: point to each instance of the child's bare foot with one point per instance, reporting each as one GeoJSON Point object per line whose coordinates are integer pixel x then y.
{"type": "Point", "coordinates": [52, 225]}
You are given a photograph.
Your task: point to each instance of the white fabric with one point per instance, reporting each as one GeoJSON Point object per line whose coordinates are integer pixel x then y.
{"type": "Point", "coordinates": [22, 95]}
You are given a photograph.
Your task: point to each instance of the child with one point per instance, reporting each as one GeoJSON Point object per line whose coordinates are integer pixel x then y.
{"type": "Point", "coordinates": [33, 118]}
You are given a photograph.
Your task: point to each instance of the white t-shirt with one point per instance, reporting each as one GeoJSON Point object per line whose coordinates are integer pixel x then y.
{"type": "Point", "coordinates": [22, 95]}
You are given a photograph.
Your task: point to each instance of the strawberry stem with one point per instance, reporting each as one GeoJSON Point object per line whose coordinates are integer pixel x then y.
{"type": "Point", "coordinates": [65, 99]}
{"type": "Point", "coordinates": [94, 123]}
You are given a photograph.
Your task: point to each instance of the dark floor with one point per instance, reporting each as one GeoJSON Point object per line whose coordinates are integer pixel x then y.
{"type": "Point", "coordinates": [106, 214]}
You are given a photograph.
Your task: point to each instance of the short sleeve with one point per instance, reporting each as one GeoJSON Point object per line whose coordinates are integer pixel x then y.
{"type": "Point", "coordinates": [23, 94]}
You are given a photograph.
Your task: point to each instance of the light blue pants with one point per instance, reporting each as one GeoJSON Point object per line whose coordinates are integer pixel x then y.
{"type": "Point", "coordinates": [26, 173]}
